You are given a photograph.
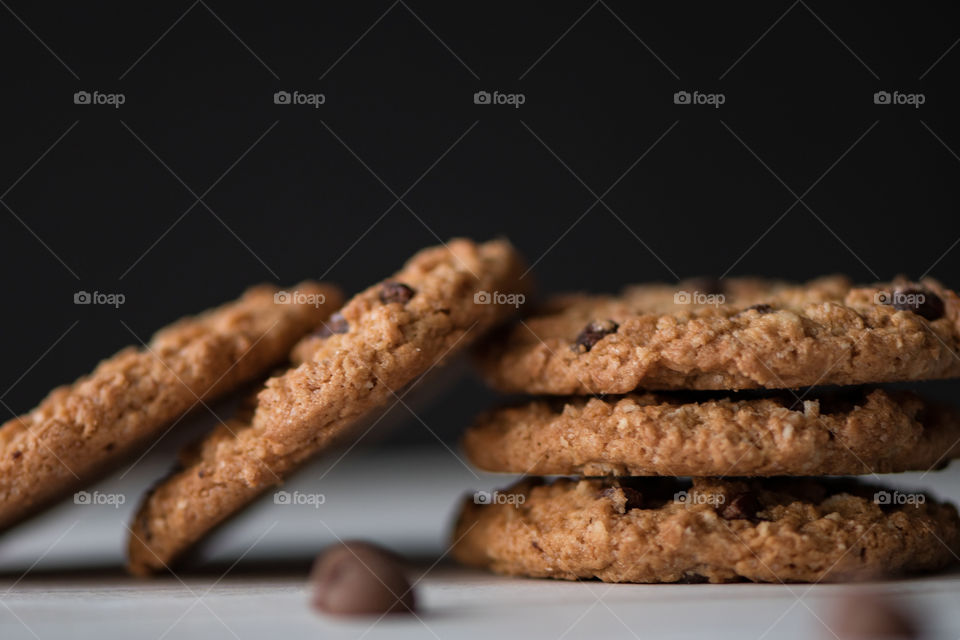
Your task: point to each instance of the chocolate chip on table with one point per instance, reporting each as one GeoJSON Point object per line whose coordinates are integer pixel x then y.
{"type": "Point", "coordinates": [359, 578]}
{"type": "Point", "coordinates": [593, 333]}
{"type": "Point", "coordinates": [860, 615]}
{"type": "Point", "coordinates": [391, 291]}
{"type": "Point", "coordinates": [919, 300]}
{"type": "Point", "coordinates": [743, 506]}
{"type": "Point", "coordinates": [336, 324]}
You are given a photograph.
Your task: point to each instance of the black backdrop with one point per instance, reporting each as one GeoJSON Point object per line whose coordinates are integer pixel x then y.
{"type": "Point", "coordinates": [798, 173]}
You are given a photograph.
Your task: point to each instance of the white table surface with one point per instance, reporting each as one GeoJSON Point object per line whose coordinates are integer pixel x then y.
{"type": "Point", "coordinates": [60, 573]}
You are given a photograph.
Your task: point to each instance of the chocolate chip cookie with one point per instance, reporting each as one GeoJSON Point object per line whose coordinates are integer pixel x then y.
{"type": "Point", "coordinates": [662, 530]}
{"type": "Point", "coordinates": [84, 429]}
{"type": "Point", "coordinates": [844, 432]}
{"type": "Point", "coordinates": [383, 339]}
{"type": "Point", "coordinates": [737, 333]}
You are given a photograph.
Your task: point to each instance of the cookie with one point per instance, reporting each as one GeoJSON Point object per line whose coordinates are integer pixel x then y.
{"type": "Point", "coordinates": [663, 530]}
{"type": "Point", "coordinates": [739, 333]}
{"type": "Point", "coordinates": [382, 340]}
{"type": "Point", "coordinates": [82, 430]}
{"type": "Point", "coordinates": [847, 432]}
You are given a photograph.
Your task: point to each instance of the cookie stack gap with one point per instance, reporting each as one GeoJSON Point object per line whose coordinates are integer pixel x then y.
{"type": "Point", "coordinates": [700, 439]}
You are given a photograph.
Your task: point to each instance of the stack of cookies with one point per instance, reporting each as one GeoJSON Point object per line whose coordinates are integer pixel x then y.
{"type": "Point", "coordinates": [692, 427]}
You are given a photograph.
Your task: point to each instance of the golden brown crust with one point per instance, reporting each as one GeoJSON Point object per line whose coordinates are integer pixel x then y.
{"type": "Point", "coordinates": [799, 531]}
{"type": "Point", "coordinates": [859, 432]}
{"type": "Point", "coordinates": [80, 430]}
{"type": "Point", "coordinates": [765, 334]}
{"type": "Point", "coordinates": [387, 344]}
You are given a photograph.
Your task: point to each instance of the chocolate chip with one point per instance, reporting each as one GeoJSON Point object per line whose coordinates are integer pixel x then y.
{"type": "Point", "coordinates": [593, 333]}
{"type": "Point", "coordinates": [357, 578]}
{"type": "Point", "coordinates": [859, 615]}
{"type": "Point", "coordinates": [919, 300]}
{"type": "Point", "coordinates": [762, 309]}
{"type": "Point", "coordinates": [743, 506]}
{"type": "Point", "coordinates": [707, 285]}
{"type": "Point", "coordinates": [17, 454]}
{"type": "Point", "coordinates": [336, 324]}
{"type": "Point", "coordinates": [395, 292]}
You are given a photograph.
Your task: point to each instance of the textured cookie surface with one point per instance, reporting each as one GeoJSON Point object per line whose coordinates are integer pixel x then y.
{"type": "Point", "coordinates": [382, 340]}
{"type": "Point", "coordinates": [658, 530]}
{"type": "Point", "coordinates": [842, 433]}
{"type": "Point", "coordinates": [80, 430]}
{"type": "Point", "coordinates": [737, 333]}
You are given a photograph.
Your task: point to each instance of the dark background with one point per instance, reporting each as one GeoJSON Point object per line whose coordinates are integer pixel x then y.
{"type": "Point", "coordinates": [90, 207]}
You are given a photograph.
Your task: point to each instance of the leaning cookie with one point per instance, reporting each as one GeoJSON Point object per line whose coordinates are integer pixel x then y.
{"type": "Point", "coordinates": [738, 333]}
{"type": "Point", "coordinates": [82, 430]}
{"type": "Point", "coordinates": [846, 432]}
{"type": "Point", "coordinates": [660, 530]}
{"type": "Point", "coordinates": [382, 340]}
